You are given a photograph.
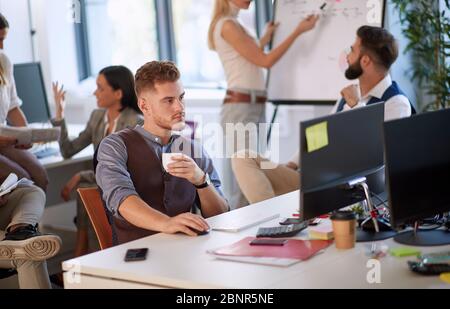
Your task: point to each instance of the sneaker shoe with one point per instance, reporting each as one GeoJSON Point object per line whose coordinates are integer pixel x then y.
{"type": "Point", "coordinates": [26, 243]}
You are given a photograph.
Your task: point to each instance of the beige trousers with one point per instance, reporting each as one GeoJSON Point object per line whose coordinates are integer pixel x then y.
{"type": "Point", "coordinates": [258, 184]}
{"type": "Point", "coordinates": [25, 205]}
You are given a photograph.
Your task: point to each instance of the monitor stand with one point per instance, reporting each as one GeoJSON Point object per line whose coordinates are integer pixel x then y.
{"type": "Point", "coordinates": [373, 228]}
{"type": "Point", "coordinates": [367, 233]}
{"type": "Point", "coordinates": [424, 238]}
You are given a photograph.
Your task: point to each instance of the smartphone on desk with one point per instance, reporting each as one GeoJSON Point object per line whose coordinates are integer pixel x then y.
{"type": "Point", "coordinates": [268, 242]}
{"type": "Point", "coordinates": [136, 254]}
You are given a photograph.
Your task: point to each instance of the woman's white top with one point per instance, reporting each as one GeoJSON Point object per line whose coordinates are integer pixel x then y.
{"type": "Point", "coordinates": [240, 73]}
{"type": "Point", "coordinates": [8, 93]}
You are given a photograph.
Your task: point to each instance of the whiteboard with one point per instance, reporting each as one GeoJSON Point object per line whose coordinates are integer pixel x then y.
{"type": "Point", "coordinates": [312, 70]}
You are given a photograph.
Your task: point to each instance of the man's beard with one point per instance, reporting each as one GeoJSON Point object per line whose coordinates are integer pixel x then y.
{"type": "Point", "coordinates": [354, 70]}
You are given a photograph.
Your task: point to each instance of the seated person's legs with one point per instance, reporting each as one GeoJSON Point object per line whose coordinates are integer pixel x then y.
{"type": "Point", "coordinates": [19, 218]}
{"type": "Point", "coordinates": [259, 183]}
{"type": "Point", "coordinates": [8, 166]}
{"type": "Point", "coordinates": [23, 247]}
{"type": "Point", "coordinates": [31, 274]}
{"type": "Point", "coordinates": [29, 163]}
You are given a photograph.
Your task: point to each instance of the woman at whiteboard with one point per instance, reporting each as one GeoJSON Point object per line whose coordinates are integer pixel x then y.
{"type": "Point", "coordinates": [244, 61]}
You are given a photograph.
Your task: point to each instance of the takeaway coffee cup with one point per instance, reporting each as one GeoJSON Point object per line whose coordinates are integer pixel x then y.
{"type": "Point", "coordinates": [344, 229]}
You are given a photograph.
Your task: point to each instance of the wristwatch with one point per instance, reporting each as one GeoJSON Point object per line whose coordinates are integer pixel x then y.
{"type": "Point", "coordinates": [205, 184]}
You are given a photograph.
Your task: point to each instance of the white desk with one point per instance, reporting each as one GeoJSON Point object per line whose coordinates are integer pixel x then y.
{"type": "Point", "coordinates": [58, 161]}
{"type": "Point", "coordinates": [60, 170]}
{"type": "Point", "coordinates": [179, 261]}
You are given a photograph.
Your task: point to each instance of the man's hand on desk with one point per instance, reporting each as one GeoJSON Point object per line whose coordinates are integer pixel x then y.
{"type": "Point", "coordinates": [70, 186]}
{"type": "Point", "coordinates": [183, 223]}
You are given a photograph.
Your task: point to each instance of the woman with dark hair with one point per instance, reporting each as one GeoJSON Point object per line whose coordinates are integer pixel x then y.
{"type": "Point", "coordinates": [244, 61]}
{"type": "Point", "coordinates": [118, 109]}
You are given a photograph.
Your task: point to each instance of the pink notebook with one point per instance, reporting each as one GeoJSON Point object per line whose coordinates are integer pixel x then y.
{"type": "Point", "coordinates": [293, 249]}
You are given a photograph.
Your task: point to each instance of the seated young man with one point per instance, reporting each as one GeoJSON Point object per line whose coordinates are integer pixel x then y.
{"type": "Point", "coordinates": [23, 249]}
{"type": "Point", "coordinates": [369, 60]}
{"type": "Point", "coordinates": [142, 197]}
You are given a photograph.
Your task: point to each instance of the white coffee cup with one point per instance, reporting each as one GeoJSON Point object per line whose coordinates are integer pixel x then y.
{"type": "Point", "coordinates": [167, 158]}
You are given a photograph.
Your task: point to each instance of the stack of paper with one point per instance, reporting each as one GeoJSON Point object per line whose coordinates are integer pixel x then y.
{"type": "Point", "coordinates": [12, 182]}
{"type": "Point", "coordinates": [27, 136]}
{"type": "Point", "coordinates": [323, 231]}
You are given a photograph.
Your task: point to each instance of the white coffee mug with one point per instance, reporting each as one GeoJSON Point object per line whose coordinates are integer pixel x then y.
{"type": "Point", "coordinates": [167, 158]}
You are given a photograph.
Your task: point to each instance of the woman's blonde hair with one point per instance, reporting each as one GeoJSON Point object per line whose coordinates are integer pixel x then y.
{"type": "Point", "coordinates": [3, 80]}
{"type": "Point", "coordinates": [221, 8]}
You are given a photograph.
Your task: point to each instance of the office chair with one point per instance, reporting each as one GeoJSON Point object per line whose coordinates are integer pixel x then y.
{"type": "Point", "coordinates": [93, 204]}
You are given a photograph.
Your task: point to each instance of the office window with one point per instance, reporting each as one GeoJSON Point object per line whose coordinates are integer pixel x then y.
{"type": "Point", "coordinates": [121, 32]}
{"type": "Point", "coordinates": [200, 66]}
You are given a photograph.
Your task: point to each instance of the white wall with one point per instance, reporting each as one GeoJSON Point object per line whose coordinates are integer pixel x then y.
{"type": "Point", "coordinates": [54, 41]}
{"type": "Point", "coordinates": [57, 39]}
{"type": "Point", "coordinates": [18, 44]}
{"type": "Point", "coordinates": [56, 48]}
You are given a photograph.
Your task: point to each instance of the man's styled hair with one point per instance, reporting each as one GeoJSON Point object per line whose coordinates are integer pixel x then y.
{"type": "Point", "coordinates": [155, 72]}
{"type": "Point", "coordinates": [379, 44]}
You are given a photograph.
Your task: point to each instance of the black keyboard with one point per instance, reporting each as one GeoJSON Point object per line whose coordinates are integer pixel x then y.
{"type": "Point", "coordinates": [282, 230]}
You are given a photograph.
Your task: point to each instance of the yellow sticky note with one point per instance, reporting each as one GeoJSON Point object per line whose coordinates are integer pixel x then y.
{"type": "Point", "coordinates": [317, 136]}
{"type": "Point", "coordinates": [404, 251]}
{"type": "Point", "coordinates": [445, 277]}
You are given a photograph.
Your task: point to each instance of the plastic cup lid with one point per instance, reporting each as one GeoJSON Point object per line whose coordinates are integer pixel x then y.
{"type": "Point", "coordinates": [343, 215]}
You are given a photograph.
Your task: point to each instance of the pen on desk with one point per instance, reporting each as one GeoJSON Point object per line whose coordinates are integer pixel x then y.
{"type": "Point", "coordinates": [322, 7]}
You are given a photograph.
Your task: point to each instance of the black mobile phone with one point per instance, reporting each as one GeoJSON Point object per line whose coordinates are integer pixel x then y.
{"type": "Point", "coordinates": [136, 254]}
{"type": "Point", "coordinates": [268, 242]}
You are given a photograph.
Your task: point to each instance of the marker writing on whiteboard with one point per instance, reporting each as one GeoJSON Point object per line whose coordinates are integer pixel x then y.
{"type": "Point", "coordinates": [323, 6]}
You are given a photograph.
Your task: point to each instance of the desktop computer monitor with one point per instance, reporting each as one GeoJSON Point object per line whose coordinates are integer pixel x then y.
{"type": "Point", "coordinates": [417, 152]}
{"type": "Point", "coordinates": [354, 150]}
{"type": "Point", "coordinates": [31, 89]}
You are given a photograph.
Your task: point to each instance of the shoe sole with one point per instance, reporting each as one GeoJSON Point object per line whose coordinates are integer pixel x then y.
{"type": "Point", "coordinates": [37, 248]}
